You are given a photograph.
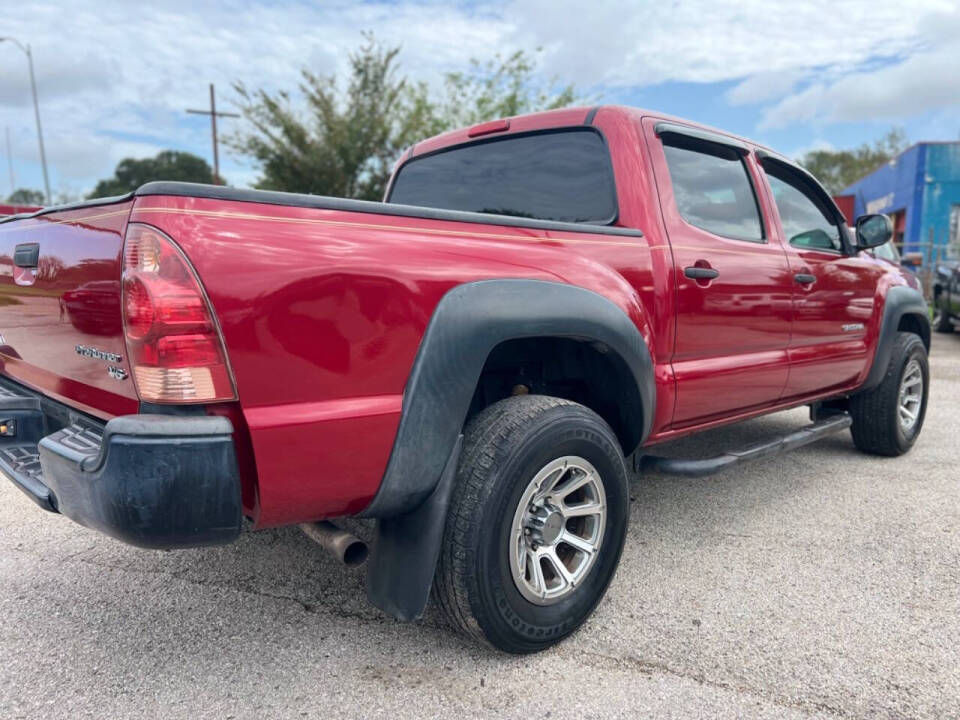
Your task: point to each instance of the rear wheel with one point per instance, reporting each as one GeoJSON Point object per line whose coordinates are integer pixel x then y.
{"type": "Point", "coordinates": [536, 525]}
{"type": "Point", "coordinates": [887, 419]}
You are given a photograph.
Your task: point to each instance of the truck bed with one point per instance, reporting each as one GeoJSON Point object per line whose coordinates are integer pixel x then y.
{"type": "Point", "coordinates": [320, 346]}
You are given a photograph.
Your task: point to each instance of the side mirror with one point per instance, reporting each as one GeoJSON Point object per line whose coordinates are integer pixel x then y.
{"type": "Point", "coordinates": [873, 231]}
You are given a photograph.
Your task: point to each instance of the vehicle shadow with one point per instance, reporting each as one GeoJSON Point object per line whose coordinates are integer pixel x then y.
{"type": "Point", "coordinates": [269, 575]}
{"type": "Point", "coordinates": [273, 608]}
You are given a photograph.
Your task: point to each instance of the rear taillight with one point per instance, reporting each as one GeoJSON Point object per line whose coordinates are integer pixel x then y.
{"type": "Point", "coordinates": [175, 347]}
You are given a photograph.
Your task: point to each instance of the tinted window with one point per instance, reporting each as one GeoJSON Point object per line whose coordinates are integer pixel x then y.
{"type": "Point", "coordinates": [712, 188]}
{"type": "Point", "coordinates": [806, 221]}
{"type": "Point", "coordinates": [562, 176]}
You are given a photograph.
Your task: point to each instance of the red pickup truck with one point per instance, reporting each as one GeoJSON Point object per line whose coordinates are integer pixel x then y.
{"type": "Point", "coordinates": [469, 362]}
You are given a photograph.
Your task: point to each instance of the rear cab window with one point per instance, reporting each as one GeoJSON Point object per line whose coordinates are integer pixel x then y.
{"type": "Point", "coordinates": [562, 175]}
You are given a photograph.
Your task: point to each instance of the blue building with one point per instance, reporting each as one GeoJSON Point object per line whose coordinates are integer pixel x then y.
{"type": "Point", "coordinates": [920, 191]}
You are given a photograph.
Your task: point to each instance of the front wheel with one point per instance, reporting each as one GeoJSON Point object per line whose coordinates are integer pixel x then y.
{"type": "Point", "coordinates": [536, 523]}
{"type": "Point", "coordinates": [887, 419]}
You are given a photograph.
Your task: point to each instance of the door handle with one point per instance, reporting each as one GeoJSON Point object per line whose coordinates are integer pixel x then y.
{"type": "Point", "coordinates": [805, 278]}
{"type": "Point", "coordinates": [700, 273]}
{"type": "Point", "coordinates": [26, 255]}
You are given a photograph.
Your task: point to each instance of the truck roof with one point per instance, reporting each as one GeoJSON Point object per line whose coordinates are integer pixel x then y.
{"type": "Point", "coordinates": [563, 117]}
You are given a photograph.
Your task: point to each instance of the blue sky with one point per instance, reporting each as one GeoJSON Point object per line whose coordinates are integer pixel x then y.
{"type": "Point", "coordinates": [115, 77]}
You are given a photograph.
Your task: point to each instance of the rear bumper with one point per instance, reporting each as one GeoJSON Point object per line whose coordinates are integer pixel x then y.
{"type": "Point", "coordinates": [154, 481]}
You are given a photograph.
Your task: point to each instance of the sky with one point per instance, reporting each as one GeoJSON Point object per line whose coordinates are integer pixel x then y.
{"type": "Point", "coordinates": [114, 78]}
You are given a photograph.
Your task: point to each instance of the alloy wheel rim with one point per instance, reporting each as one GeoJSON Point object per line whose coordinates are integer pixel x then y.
{"type": "Point", "coordinates": [557, 530]}
{"type": "Point", "coordinates": [911, 396]}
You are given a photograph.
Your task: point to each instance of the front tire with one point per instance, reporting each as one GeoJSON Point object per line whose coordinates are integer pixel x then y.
{"type": "Point", "coordinates": [536, 524]}
{"type": "Point", "coordinates": [887, 419]}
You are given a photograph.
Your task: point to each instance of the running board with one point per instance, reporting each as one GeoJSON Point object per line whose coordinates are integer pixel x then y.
{"type": "Point", "coordinates": [708, 466]}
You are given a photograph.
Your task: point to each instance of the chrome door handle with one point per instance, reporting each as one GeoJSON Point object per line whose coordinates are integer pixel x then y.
{"type": "Point", "coordinates": [805, 278]}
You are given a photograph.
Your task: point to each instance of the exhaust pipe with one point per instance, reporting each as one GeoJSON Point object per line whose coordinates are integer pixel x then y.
{"type": "Point", "coordinates": [345, 547]}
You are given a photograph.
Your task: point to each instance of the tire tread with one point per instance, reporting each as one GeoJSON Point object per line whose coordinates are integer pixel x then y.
{"type": "Point", "coordinates": [486, 435]}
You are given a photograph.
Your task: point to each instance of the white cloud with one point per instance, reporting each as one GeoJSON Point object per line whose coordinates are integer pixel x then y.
{"type": "Point", "coordinates": [704, 41]}
{"type": "Point", "coordinates": [925, 81]}
{"type": "Point", "coordinates": [764, 86]}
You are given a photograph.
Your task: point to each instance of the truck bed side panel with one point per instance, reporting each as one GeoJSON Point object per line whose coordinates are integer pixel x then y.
{"type": "Point", "coordinates": [323, 311]}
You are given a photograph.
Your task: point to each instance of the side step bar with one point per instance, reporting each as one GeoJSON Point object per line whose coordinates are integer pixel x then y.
{"type": "Point", "coordinates": [708, 466]}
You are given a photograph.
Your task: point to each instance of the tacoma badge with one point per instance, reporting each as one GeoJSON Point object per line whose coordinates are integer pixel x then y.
{"type": "Point", "coordinates": [96, 354]}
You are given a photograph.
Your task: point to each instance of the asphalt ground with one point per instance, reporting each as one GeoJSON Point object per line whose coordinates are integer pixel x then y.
{"type": "Point", "coordinates": [820, 583]}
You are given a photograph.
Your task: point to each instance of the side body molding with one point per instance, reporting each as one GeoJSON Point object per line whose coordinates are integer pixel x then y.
{"type": "Point", "coordinates": [900, 301]}
{"type": "Point", "coordinates": [469, 321]}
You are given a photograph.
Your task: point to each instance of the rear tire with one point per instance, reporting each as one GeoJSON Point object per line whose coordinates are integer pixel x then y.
{"type": "Point", "coordinates": [512, 507]}
{"type": "Point", "coordinates": [887, 419]}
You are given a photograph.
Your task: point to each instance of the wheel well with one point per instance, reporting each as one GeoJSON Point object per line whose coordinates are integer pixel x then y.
{"type": "Point", "coordinates": [914, 324]}
{"type": "Point", "coordinates": [583, 371]}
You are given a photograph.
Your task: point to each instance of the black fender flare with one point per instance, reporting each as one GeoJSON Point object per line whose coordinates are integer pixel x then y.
{"type": "Point", "coordinates": [899, 302]}
{"type": "Point", "coordinates": [467, 324]}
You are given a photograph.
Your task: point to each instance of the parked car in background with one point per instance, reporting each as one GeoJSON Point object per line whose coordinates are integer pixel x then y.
{"type": "Point", "coordinates": [469, 362]}
{"type": "Point", "coordinates": [946, 296]}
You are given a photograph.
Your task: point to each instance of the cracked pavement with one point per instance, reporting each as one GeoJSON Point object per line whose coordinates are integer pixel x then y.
{"type": "Point", "coordinates": [821, 583]}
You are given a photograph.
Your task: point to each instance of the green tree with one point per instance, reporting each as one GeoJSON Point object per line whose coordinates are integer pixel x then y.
{"type": "Point", "coordinates": [350, 134]}
{"type": "Point", "coordinates": [131, 173]}
{"type": "Point", "coordinates": [346, 139]}
{"type": "Point", "coordinates": [25, 196]}
{"type": "Point", "coordinates": [501, 87]}
{"type": "Point", "coordinates": [838, 169]}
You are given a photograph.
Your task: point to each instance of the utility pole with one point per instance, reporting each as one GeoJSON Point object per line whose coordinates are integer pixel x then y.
{"type": "Point", "coordinates": [36, 111]}
{"type": "Point", "coordinates": [13, 179]}
{"type": "Point", "coordinates": [212, 112]}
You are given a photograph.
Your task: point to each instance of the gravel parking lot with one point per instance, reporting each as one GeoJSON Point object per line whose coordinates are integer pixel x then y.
{"type": "Point", "coordinates": [822, 583]}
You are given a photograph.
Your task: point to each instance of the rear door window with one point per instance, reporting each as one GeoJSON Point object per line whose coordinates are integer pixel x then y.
{"type": "Point", "coordinates": [712, 189]}
{"type": "Point", "coordinates": [559, 175]}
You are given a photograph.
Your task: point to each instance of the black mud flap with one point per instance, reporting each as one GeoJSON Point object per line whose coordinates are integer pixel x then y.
{"type": "Point", "coordinates": [406, 549]}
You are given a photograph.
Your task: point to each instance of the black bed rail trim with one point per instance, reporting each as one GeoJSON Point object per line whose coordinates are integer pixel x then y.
{"type": "Point", "coordinates": [320, 202]}
{"type": "Point", "coordinates": [96, 202]}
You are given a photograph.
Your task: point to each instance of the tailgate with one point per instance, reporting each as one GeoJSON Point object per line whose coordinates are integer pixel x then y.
{"type": "Point", "coordinates": [60, 321]}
